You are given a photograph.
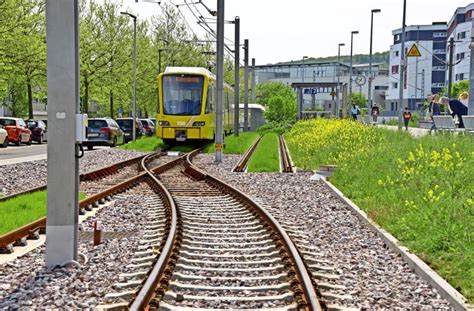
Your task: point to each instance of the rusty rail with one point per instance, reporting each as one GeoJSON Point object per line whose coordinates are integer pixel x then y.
{"type": "Point", "coordinates": [286, 166]}
{"type": "Point", "coordinates": [242, 164]}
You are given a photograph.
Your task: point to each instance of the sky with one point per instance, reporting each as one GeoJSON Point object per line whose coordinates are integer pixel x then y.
{"type": "Point", "coordinates": [285, 30]}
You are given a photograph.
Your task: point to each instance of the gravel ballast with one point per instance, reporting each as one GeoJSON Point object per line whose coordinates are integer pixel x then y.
{"type": "Point", "coordinates": [329, 232]}
{"type": "Point", "coordinates": [26, 175]}
{"type": "Point", "coordinates": [25, 282]}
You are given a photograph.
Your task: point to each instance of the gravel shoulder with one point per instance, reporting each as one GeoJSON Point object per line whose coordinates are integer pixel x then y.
{"type": "Point", "coordinates": [26, 175]}
{"type": "Point", "coordinates": [373, 275]}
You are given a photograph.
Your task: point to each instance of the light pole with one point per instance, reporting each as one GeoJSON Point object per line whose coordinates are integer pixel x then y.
{"type": "Point", "coordinates": [134, 71]}
{"type": "Point", "coordinates": [402, 68]}
{"type": "Point", "coordinates": [369, 97]}
{"type": "Point", "coordinates": [350, 69]}
{"type": "Point", "coordinates": [304, 57]}
{"type": "Point", "coordinates": [338, 98]}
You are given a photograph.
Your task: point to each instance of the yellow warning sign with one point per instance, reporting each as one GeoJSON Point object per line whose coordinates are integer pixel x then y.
{"type": "Point", "coordinates": [413, 51]}
{"type": "Point", "coordinates": [219, 147]}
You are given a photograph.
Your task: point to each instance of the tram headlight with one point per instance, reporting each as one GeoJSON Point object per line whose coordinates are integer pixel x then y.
{"type": "Point", "coordinates": [163, 123]}
{"type": "Point", "coordinates": [199, 123]}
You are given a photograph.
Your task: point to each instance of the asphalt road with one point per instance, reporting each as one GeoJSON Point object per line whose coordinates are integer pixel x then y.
{"type": "Point", "coordinates": [16, 154]}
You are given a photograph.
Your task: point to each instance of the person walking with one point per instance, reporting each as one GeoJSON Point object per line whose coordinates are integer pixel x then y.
{"type": "Point", "coordinates": [375, 112]}
{"type": "Point", "coordinates": [406, 117]}
{"type": "Point", "coordinates": [355, 111]}
{"type": "Point", "coordinates": [434, 109]}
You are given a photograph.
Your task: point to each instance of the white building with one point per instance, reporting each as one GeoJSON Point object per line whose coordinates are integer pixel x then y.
{"type": "Point", "coordinates": [424, 75]}
{"type": "Point", "coordinates": [460, 28]}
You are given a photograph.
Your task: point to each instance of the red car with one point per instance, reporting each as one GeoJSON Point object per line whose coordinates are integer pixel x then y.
{"type": "Point", "coordinates": [17, 130]}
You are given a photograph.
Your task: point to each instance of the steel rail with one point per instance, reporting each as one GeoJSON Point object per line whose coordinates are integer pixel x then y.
{"type": "Point", "coordinates": [285, 156]}
{"type": "Point", "coordinates": [242, 164]}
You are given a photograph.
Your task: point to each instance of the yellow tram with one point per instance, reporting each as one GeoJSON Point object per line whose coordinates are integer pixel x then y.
{"type": "Point", "coordinates": [187, 105]}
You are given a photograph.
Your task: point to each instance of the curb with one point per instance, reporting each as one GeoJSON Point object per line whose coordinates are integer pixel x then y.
{"type": "Point", "coordinates": [445, 290]}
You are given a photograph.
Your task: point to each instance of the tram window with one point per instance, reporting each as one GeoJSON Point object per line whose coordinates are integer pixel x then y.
{"type": "Point", "coordinates": [182, 94]}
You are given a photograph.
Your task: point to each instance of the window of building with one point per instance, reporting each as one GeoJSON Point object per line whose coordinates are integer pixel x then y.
{"type": "Point", "coordinates": [439, 68]}
{"type": "Point", "coordinates": [439, 51]}
{"type": "Point", "coordinates": [437, 84]}
{"type": "Point", "coordinates": [462, 35]}
{"type": "Point", "coordinates": [439, 34]}
{"type": "Point", "coordinates": [397, 37]}
{"type": "Point", "coordinates": [396, 53]}
{"type": "Point", "coordinates": [460, 56]}
{"type": "Point", "coordinates": [460, 77]}
{"type": "Point", "coordinates": [395, 85]}
{"type": "Point", "coordinates": [381, 87]}
{"type": "Point", "coordinates": [395, 69]}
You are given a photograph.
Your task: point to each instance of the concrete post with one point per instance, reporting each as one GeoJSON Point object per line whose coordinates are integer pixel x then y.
{"type": "Point", "coordinates": [237, 77]}
{"type": "Point", "coordinates": [246, 86]}
{"type": "Point", "coordinates": [220, 80]}
{"type": "Point", "coordinates": [62, 33]}
{"type": "Point", "coordinates": [470, 109]}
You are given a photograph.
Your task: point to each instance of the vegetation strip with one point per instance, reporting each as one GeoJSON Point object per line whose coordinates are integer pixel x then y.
{"type": "Point", "coordinates": [147, 144]}
{"type": "Point", "coordinates": [236, 144]}
{"type": "Point", "coordinates": [266, 157]}
{"type": "Point", "coordinates": [420, 190]}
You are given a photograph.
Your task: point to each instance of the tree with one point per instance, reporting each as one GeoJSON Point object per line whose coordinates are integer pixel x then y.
{"type": "Point", "coordinates": [359, 99]}
{"type": "Point", "coordinates": [459, 87]}
{"type": "Point", "coordinates": [279, 101]}
{"type": "Point", "coordinates": [267, 90]}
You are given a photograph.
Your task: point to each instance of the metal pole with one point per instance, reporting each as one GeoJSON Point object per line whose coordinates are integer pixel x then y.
{"type": "Point", "coordinates": [134, 76]}
{"type": "Point", "coordinates": [350, 69]}
{"type": "Point", "coordinates": [246, 86]}
{"type": "Point", "coordinates": [159, 60]}
{"type": "Point", "coordinates": [470, 109]}
{"type": "Point", "coordinates": [220, 80]}
{"type": "Point", "coordinates": [402, 68]}
{"type": "Point", "coordinates": [62, 33]}
{"type": "Point", "coordinates": [302, 68]}
{"type": "Point", "coordinates": [450, 66]}
{"type": "Point", "coordinates": [237, 77]}
{"type": "Point", "coordinates": [338, 88]}
{"type": "Point", "coordinates": [253, 80]}
{"type": "Point", "coordinates": [369, 97]}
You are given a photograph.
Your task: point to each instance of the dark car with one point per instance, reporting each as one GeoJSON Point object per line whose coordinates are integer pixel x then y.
{"type": "Point", "coordinates": [39, 132]}
{"type": "Point", "coordinates": [148, 127]}
{"type": "Point", "coordinates": [127, 127]}
{"type": "Point", "coordinates": [103, 132]}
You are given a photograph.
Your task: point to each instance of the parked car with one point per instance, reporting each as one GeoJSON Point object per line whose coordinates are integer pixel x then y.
{"type": "Point", "coordinates": [127, 127]}
{"type": "Point", "coordinates": [148, 127]}
{"type": "Point", "coordinates": [17, 130]}
{"type": "Point", "coordinates": [103, 132]}
{"type": "Point", "coordinates": [3, 137]}
{"type": "Point", "coordinates": [39, 132]}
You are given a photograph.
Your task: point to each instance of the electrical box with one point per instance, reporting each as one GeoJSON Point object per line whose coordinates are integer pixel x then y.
{"type": "Point", "coordinates": [81, 128]}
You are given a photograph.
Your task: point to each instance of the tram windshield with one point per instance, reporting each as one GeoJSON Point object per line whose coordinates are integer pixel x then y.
{"type": "Point", "coordinates": [182, 94]}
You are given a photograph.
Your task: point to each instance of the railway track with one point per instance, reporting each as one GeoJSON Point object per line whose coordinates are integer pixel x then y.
{"type": "Point", "coordinates": [286, 166]}
{"type": "Point", "coordinates": [242, 164]}
{"type": "Point", "coordinates": [221, 250]}
{"type": "Point", "coordinates": [99, 185]}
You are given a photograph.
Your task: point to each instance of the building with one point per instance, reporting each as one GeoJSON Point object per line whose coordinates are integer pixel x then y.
{"type": "Point", "coordinates": [324, 72]}
{"type": "Point", "coordinates": [424, 75]}
{"type": "Point", "coordinates": [460, 29]}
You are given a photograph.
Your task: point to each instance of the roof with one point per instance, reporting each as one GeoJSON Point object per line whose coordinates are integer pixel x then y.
{"type": "Point", "coordinates": [252, 106]}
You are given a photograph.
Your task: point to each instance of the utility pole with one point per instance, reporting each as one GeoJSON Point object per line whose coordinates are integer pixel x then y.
{"type": "Point", "coordinates": [62, 33]}
{"type": "Point", "coordinates": [350, 69]}
{"type": "Point", "coordinates": [450, 65]}
{"type": "Point", "coordinates": [338, 87]}
{"type": "Point", "coordinates": [237, 77]}
{"type": "Point", "coordinates": [369, 97]}
{"type": "Point", "coordinates": [402, 68]}
{"type": "Point", "coordinates": [220, 80]}
{"type": "Point", "coordinates": [470, 109]}
{"type": "Point", "coordinates": [253, 80]}
{"type": "Point", "coordinates": [246, 85]}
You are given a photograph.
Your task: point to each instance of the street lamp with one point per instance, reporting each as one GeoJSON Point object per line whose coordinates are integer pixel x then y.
{"type": "Point", "coordinates": [369, 98]}
{"type": "Point", "coordinates": [134, 17]}
{"type": "Point", "coordinates": [402, 68]}
{"type": "Point", "coordinates": [304, 57]}
{"type": "Point", "coordinates": [350, 69]}
{"type": "Point", "coordinates": [338, 99]}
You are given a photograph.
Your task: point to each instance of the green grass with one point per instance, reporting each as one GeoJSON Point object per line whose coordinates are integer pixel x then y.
{"type": "Point", "coordinates": [147, 144]}
{"type": "Point", "coordinates": [421, 190]}
{"type": "Point", "coordinates": [183, 148]}
{"type": "Point", "coordinates": [22, 210]}
{"type": "Point", "coordinates": [265, 158]}
{"type": "Point", "coordinates": [236, 145]}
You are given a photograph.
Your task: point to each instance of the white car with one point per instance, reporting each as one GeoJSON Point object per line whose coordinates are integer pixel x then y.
{"type": "Point", "coordinates": [3, 138]}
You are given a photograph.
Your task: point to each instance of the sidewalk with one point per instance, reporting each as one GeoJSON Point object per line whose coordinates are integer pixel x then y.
{"type": "Point", "coordinates": [414, 131]}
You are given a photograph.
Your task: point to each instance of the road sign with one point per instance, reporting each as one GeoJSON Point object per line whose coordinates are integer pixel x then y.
{"type": "Point", "coordinates": [413, 51]}
{"type": "Point", "coordinates": [311, 91]}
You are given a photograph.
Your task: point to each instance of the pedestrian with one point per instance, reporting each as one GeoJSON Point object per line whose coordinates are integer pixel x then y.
{"type": "Point", "coordinates": [434, 109]}
{"type": "Point", "coordinates": [355, 111]}
{"type": "Point", "coordinates": [375, 112]}
{"type": "Point", "coordinates": [406, 117]}
{"type": "Point", "coordinates": [464, 98]}
{"type": "Point", "coordinates": [455, 108]}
